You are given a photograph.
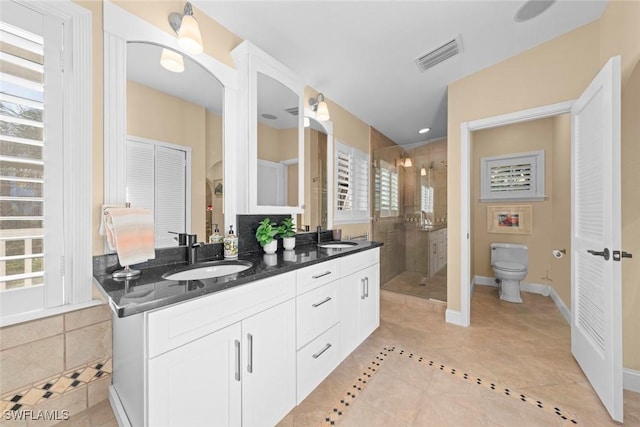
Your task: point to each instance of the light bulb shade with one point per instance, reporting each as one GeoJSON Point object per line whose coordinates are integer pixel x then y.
{"type": "Point", "coordinates": [323, 112]}
{"type": "Point", "coordinates": [423, 172]}
{"type": "Point", "coordinates": [407, 162]}
{"type": "Point", "coordinates": [307, 122]}
{"type": "Point", "coordinates": [172, 60]}
{"type": "Point", "coordinates": [189, 37]}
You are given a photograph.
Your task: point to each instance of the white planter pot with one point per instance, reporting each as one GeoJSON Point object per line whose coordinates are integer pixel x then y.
{"type": "Point", "coordinates": [271, 248]}
{"type": "Point", "coordinates": [289, 242]}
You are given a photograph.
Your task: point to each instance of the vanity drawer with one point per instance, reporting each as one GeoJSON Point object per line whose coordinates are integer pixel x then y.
{"type": "Point", "coordinates": [356, 262]}
{"type": "Point", "coordinates": [176, 325]}
{"type": "Point", "coordinates": [317, 311]}
{"type": "Point", "coordinates": [316, 360]}
{"type": "Point", "coordinates": [316, 275]}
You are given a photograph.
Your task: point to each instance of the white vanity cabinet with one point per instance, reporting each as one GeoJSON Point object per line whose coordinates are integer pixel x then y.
{"type": "Point", "coordinates": [437, 250]}
{"type": "Point", "coordinates": [359, 298]}
{"type": "Point", "coordinates": [224, 359]}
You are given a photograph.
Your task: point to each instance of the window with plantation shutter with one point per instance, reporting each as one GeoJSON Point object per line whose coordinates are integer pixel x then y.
{"type": "Point", "coordinates": [45, 194]}
{"type": "Point", "coordinates": [387, 190]}
{"type": "Point", "coordinates": [426, 199]}
{"type": "Point", "coordinates": [513, 177]}
{"type": "Point", "coordinates": [352, 184]}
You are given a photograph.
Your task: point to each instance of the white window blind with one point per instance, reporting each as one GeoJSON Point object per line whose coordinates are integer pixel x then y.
{"type": "Point", "coordinates": [514, 176]}
{"type": "Point", "coordinates": [426, 199]}
{"type": "Point", "coordinates": [157, 180]}
{"type": "Point", "coordinates": [387, 190]}
{"type": "Point", "coordinates": [352, 184]}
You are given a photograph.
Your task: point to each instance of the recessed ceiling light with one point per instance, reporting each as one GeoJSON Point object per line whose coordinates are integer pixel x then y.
{"type": "Point", "coordinates": [269, 116]}
{"type": "Point", "coordinates": [531, 9]}
{"type": "Point", "coordinates": [424, 130]}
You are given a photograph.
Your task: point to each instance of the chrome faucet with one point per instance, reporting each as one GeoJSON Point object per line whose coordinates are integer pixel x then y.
{"type": "Point", "coordinates": [319, 231]}
{"type": "Point", "coordinates": [192, 253]}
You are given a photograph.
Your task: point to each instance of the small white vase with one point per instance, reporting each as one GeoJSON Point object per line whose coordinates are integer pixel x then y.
{"type": "Point", "coordinates": [289, 242]}
{"type": "Point", "coordinates": [271, 248]}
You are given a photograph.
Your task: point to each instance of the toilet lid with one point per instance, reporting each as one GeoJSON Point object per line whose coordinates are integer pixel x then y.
{"type": "Point", "coordinates": [509, 266]}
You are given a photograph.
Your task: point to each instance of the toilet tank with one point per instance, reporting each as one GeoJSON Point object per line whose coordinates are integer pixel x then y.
{"type": "Point", "coordinates": [510, 252]}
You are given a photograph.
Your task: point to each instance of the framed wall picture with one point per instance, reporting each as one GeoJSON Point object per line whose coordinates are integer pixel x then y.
{"type": "Point", "coordinates": [217, 187]}
{"type": "Point", "coordinates": [510, 219]}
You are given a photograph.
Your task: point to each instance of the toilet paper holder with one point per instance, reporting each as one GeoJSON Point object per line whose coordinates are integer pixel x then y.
{"type": "Point", "coordinates": [559, 253]}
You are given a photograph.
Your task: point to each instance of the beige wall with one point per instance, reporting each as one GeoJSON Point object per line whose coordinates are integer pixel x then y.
{"type": "Point", "coordinates": [277, 145]}
{"type": "Point", "coordinates": [155, 115]}
{"type": "Point", "coordinates": [556, 71]}
{"type": "Point", "coordinates": [513, 139]}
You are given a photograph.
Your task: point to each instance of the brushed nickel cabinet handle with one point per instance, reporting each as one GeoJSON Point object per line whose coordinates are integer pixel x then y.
{"type": "Point", "coordinates": [318, 304]}
{"type": "Point", "coordinates": [318, 354]}
{"type": "Point", "coordinates": [363, 294]}
{"type": "Point", "coordinates": [366, 287]}
{"type": "Point", "coordinates": [326, 273]}
{"type": "Point", "coordinates": [237, 345]}
{"type": "Point", "coordinates": [250, 345]}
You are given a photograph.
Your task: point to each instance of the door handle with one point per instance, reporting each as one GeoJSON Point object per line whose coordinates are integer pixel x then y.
{"type": "Point", "coordinates": [250, 351]}
{"type": "Point", "coordinates": [317, 276]}
{"type": "Point", "coordinates": [617, 255]}
{"type": "Point", "coordinates": [318, 354]}
{"type": "Point", "coordinates": [604, 253]}
{"type": "Point", "coordinates": [366, 287]}
{"type": "Point", "coordinates": [237, 345]}
{"type": "Point", "coordinates": [362, 295]}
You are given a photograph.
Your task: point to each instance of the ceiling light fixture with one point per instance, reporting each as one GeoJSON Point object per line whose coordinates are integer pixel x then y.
{"type": "Point", "coordinates": [424, 130]}
{"type": "Point", "coordinates": [532, 8]}
{"type": "Point", "coordinates": [172, 61]}
{"type": "Point", "coordinates": [319, 105]}
{"type": "Point", "coordinates": [187, 29]}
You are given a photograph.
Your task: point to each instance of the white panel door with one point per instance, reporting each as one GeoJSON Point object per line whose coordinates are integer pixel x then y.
{"type": "Point", "coordinates": [596, 315]}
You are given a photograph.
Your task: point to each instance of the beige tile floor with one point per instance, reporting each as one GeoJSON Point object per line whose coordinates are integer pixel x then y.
{"type": "Point", "coordinates": [524, 347]}
{"type": "Point", "coordinates": [417, 284]}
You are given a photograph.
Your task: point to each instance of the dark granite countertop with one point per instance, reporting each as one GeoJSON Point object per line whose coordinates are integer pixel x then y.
{"type": "Point", "coordinates": [150, 291]}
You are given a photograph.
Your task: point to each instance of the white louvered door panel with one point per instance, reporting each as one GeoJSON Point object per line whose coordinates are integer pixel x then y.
{"type": "Point", "coordinates": [344, 180]}
{"type": "Point", "coordinates": [596, 323]}
{"type": "Point", "coordinates": [140, 175]}
{"type": "Point", "coordinates": [170, 206]}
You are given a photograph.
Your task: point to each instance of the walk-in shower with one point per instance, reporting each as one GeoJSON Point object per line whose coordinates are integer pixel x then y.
{"type": "Point", "coordinates": [410, 217]}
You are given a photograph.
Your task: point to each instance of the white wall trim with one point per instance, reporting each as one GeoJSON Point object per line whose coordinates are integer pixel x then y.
{"type": "Point", "coordinates": [566, 313]}
{"type": "Point", "coordinates": [631, 380]}
{"type": "Point", "coordinates": [118, 409]}
{"type": "Point", "coordinates": [454, 317]}
{"type": "Point", "coordinates": [465, 185]}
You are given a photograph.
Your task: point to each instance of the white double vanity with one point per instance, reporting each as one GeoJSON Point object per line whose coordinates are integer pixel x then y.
{"type": "Point", "coordinates": [248, 354]}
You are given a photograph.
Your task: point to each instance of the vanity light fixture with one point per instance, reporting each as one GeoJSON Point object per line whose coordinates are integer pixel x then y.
{"type": "Point", "coordinates": [424, 130]}
{"type": "Point", "coordinates": [307, 122]}
{"type": "Point", "coordinates": [172, 60]}
{"type": "Point", "coordinates": [423, 171]}
{"type": "Point", "coordinates": [405, 161]}
{"type": "Point", "coordinates": [187, 29]}
{"type": "Point", "coordinates": [319, 105]}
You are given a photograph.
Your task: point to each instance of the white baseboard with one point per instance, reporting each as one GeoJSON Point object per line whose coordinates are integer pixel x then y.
{"type": "Point", "coordinates": [561, 306]}
{"type": "Point", "coordinates": [118, 409]}
{"type": "Point", "coordinates": [454, 317]}
{"type": "Point", "coordinates": [485, 281]}
{"type": "Point", "coordinates": [631, 380]}
{"type": "Point", "coordinates": [534, 288]}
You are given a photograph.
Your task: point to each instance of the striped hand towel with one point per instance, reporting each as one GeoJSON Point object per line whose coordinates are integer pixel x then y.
{"type": "Point", "coordinates": [130, 231]}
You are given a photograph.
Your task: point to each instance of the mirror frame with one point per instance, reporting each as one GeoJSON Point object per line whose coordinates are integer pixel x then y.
{"type": "Point", "coordinates": [328, 128]}
{"type": "Point", "coordinates": [251, 60]}
{"type": "Point", "coordinates": [119, 28]}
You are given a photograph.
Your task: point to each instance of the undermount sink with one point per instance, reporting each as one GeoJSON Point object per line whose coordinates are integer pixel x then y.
{"type": "Point", "coordinates": [208, 270]}
{"type": "Point", "coordinates": [337, 245]}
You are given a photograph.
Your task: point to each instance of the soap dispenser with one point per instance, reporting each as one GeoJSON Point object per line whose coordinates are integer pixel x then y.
{"type": "Point", "coordinates": [231, 245]}
{"type": "Point", "coordinates": [216, 237]}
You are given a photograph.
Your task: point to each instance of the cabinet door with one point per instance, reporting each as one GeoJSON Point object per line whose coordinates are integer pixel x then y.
{"type": "Point", "coordinates": [197, 384]}
{"type": "Point", "coordinates": [360, 307]}
{"type": "Point", "coordinates": [269, 365]}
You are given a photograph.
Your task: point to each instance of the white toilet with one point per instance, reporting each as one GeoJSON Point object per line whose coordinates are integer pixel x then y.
{"type": "Point", "coordinates": [509, 262]}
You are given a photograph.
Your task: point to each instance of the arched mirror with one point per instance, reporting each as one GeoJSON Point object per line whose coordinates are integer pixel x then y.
{"type": "Point", "coordinates": [174, 142]}
{"type": "Point", "coordinates": [165, 128]}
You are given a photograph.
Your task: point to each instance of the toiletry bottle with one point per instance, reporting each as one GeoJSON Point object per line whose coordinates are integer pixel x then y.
{"type": "Point", "coordinates": [231, 245]}
{"type": "Point", "coordinates": [216, 237]}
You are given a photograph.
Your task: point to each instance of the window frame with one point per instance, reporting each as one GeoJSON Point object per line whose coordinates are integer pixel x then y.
{"type": "Point", "coordinates": [537, 181]}
{"type": "Point", "coordinates": [75, 265]}
{"type": "Point", "coordinates": [353, 215]}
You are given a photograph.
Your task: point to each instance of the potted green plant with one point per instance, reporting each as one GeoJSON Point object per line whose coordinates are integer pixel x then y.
{"type": "Point", "coordinates": [288, 233]}
{"type": "Point", "coordinates": [266, 234]}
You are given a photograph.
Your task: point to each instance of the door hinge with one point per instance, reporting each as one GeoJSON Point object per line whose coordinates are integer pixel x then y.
{"type": "Point", "coordinates": [618, 255]}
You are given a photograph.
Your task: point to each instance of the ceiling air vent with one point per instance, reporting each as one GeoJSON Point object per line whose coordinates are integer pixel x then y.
{"type": "Point", "coordinates": [293, 111]}
{"type": "Point", "coordinates": [439, 54]}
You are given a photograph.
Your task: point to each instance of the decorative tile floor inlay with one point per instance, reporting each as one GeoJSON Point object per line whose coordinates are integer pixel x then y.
{"type": "Point", "coordinates": [56, 386]}
{"type": "Point", "coordinates": [358, 386]}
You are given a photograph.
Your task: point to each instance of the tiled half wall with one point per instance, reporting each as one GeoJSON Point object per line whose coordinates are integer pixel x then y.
{"type": "Point", "coordinates": [59, 363]}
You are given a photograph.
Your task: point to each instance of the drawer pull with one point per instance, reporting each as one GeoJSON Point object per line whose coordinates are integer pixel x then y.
{"type": "Point", "coordinates": [250, 351]}
{"type": "Point", "coordinates": [318, 304]}
{"type": "Point", "coordinates": [237, 345]}
{"type": "Point", "coordinates": [363, 295]}
{"type": "Point", "coordinates": [366, 287]}
{"type": "Point", "coordinates": [326, 273]}
{"type": "Point", "coordinates": [318, 354]}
